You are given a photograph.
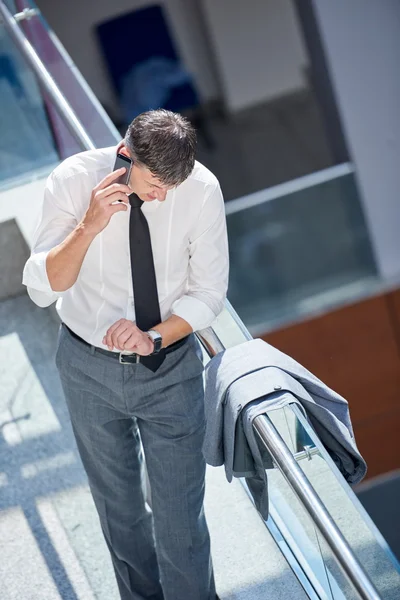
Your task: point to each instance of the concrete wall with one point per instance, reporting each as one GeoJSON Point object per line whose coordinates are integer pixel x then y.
{"type": "Point", "coordinates": [24, 204]}
{"type": "Point", "coordinates": [74, 22]}
{"type": "Point", "coordinates": [259, 49]}
{"type": "Point", "coordinates": [20, 210]}
{"type": "Point", "coordinates": [362, 44]}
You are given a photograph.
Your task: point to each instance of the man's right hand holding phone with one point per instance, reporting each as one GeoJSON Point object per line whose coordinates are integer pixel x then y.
{"type": "Point", "coordinates": [64, 261]}
{"type": "Point", "coordinates": [107, 198]}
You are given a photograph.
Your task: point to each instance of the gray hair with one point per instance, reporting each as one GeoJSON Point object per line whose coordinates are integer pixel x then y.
{"type": "Point", "coordinates": [165, 143]}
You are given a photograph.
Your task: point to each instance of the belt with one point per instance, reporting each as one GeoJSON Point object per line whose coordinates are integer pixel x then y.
{"type": "Point", "coordinates": [124, 359]}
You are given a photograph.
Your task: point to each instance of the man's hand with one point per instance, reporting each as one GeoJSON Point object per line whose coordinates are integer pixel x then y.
{"type": "Point", "coordinates": [125, 335]}
{"type": "Point", "coordinates": [101, 207]}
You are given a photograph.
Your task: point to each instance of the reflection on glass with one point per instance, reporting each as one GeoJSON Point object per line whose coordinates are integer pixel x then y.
{"type": "Point", "coordinates": [298, 253]}
{"type": "Point", "coordinates": [338, 581]}
{"type": "Point", "coordinates": [230, 331]}
{"type": "Point", "coordinates": [353, 521]}
{"type": "Point", "coordinates": [73, 86]}
{"type": "Point", "coordinates": [293, 433]}
{"type": "Point", "coordinates": [293, 520]}
{"type": "Point", "coordinates": [26, 141]}
{"type": "Point", "coordinates": [34, 137]}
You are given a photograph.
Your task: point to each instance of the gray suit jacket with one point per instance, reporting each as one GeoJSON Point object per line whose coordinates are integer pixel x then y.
{"type": "Point", "coordinates": [251, 379]}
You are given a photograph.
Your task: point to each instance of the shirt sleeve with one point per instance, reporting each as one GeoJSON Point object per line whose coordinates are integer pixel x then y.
{"type": "Point", "coordinates": [57, 220]}
{"type": "Point", "coordinates": [208, 266]}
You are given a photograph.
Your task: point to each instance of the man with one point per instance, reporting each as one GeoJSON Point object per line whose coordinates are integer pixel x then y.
{"type": "Point", "coordinates": [84, 256]}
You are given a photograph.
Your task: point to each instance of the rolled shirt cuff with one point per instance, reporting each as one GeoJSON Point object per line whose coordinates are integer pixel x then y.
{"type": "Point", "coordinates": [36, 280]}
{"type": "Point", "coordinates": [194, 311]}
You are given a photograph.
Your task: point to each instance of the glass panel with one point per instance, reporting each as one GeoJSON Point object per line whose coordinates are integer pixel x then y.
{"type": "Point", "coordinates": [300, 252]}
{"type": "Point", "coordinates": [349, 515]}
{"type": "Point", "coordinates": [229, 329]}
{"type": "Point", "coordinates": [26, 141]}
{"type": "Point", "coordinates": [34, 136]}
{"type": "Point", "coordinates": [296, 525]}
{"type": "Point", "coordinates": [73, 86]}
{"type": "Point", "coordinates": [299, 533]}
{"type": "Point", "coordinates": [338, 581]}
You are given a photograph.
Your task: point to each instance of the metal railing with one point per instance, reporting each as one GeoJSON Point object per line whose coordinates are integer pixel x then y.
{"type": "Point", "coordinates": [28, 52]}
{"type": "Point", "coordinates": [288, 187]}
{"type": "Point", "coordinates": [212, 343]}
{"type": "Point", "coordinates": [300, 484]}
{"type": "Point", "coordinates": [287, 464]}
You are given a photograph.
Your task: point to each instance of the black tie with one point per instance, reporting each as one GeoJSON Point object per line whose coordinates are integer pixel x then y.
{"type": "Point", "coordinates": [147, 308]}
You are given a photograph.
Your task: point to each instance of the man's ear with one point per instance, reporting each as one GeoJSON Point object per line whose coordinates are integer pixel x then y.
{"type": "Point", "coordinates": [122, 150]}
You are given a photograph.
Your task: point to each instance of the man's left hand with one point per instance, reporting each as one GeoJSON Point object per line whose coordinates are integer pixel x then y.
{"type": "Point", "coordinates": [125, 335]}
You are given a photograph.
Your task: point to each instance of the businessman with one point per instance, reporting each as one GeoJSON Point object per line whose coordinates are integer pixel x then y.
{"type": "Point", "coordinates": [135, 269]}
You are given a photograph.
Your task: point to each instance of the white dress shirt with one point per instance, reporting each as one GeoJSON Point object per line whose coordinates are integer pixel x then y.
{"type": "Point", "coordinates": [189, 241]}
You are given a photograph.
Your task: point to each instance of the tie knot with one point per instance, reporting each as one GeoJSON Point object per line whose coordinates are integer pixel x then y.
{"type": "Point", "coordinates": [135, 201]}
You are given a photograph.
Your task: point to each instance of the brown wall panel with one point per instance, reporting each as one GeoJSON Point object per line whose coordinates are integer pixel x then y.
{"type": "Point", "coordinates": [394, 297]}
{"type": "Point", "coordinates": [355, 351]}
{"type": "Point", "coordinates": [378, 442]}
{"type": "Point", "coordinates": [393, 304]}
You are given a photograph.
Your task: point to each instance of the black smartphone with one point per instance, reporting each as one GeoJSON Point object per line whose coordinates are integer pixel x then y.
{"type": "Point", "coordinates": [123, 161]}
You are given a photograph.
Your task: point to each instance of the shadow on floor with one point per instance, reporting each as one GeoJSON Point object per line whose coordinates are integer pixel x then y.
{"type": "Point", "coordinates": [38, 456]}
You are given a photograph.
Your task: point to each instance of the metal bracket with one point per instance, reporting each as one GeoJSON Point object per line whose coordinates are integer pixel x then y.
{"type": "Point", "coordinates": [307, 452]}
{"type": "Point", "coordinates": [26, 14]}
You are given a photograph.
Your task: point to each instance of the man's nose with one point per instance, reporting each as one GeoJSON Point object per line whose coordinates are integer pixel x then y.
{"type": "Point", "coordinates": [161, 194]}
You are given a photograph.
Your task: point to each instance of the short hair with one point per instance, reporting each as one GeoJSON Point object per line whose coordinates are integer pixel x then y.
{"type": "Point", "coordinates": [164, 142]}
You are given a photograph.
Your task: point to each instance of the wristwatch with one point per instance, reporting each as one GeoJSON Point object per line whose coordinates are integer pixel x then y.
{"type": "Point", "coordinates": [157, 339]}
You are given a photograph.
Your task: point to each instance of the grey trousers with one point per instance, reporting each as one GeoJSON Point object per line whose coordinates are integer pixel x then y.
{"type": "Point", "coordinates": [163, 554]}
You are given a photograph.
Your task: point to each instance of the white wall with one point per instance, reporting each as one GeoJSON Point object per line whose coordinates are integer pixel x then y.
{"type": "Point", "coordinates": [257, 44]}
{"type": "Point", "coordinates": [362, 44]}
{"type": "Point", "coordinates": [259, 49]}
{"type": "Point", "coordinates": [73, 23]}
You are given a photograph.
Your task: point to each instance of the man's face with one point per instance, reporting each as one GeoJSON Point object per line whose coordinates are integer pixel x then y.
{"type": "Point", "coordinates": [145, 184]}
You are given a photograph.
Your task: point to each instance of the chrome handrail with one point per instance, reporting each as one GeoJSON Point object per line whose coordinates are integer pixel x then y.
{"type": "Point", "coordinates": [213, 345]}
{"type": "Point", "coordinates": [289, 187]}
{"type": "Point", "coordinates": [210, 339]}
{"type": "Point", "coordinates": [303, 489]}
{"type": "Point", "coordinates": [287, 464]}
{"type": "Point", "coordinates": [29, 53]}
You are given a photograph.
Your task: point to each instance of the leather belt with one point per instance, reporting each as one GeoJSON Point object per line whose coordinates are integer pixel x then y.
{"type": "Point", "coordinates": [124, 359]}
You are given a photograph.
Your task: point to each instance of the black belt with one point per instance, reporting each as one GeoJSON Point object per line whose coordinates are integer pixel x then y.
{"type": "Point", "coordinates": [124, 359]}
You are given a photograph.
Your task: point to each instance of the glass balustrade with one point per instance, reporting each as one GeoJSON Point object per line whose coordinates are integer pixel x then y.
{"type": "Point", "coordinates": [297, 249]}
{"type": "Point", "coordinates": [34, 136]}
{"type": "Point", "coordinates": [350, 516]}
{"type": "Point", "coordinates": [71, 83]}
{"type": "Point", "coordinates": [290, 523]}
{"type": "Point", "coordinates": [26, 141]}
{"type": "Point", "coordinates": [364, 539]}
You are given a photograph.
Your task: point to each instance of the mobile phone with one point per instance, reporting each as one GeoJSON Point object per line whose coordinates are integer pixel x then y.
{"type": "Point", "coordinates": [123, 161]}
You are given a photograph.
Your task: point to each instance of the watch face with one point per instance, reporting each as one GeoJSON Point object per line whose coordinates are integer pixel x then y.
{"type": "Point", "coordinates": [155, 335]}
{"type": "Point", "coordinates": [157, 339]}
